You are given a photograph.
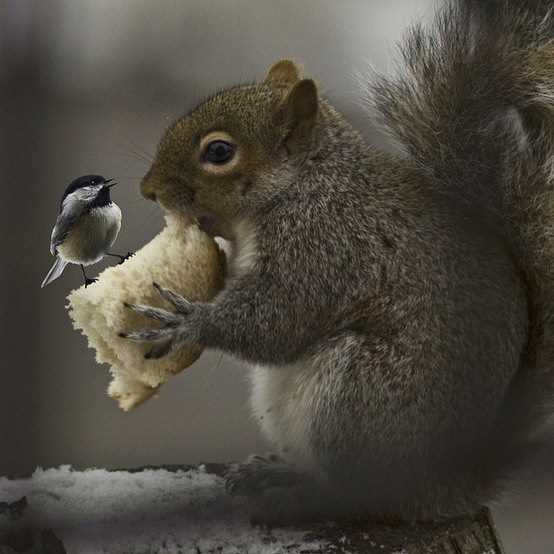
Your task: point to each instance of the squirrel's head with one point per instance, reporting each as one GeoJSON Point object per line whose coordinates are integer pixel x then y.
{"type": "Point", "coordinates": [213, 161]}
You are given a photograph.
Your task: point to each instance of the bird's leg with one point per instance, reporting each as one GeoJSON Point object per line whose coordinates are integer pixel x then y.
{"type": "Point", "coordinates": [87, 280]}
{"type": "Point", "coordinates": [121, 258]}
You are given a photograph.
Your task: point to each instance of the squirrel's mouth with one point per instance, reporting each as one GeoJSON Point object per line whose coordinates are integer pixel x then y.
{"type": "Point", "coordinates": [207, 223]}
{"type": "Point", "coordinates": [210, 226]}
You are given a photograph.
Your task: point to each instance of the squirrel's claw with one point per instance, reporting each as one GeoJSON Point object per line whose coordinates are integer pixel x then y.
{"type": "Point", "coordinates": [156, 352]}
{"type": "Point", "coordinates": [181, 305]}
{"type": "Point", "coordinates": [161, 350]}
{"type": "Point", "coordinates": [153, 335]}
{"type": "Point", "coordinates": [155, 313]}
{"type": "Point", "coordinates": [168, 334]}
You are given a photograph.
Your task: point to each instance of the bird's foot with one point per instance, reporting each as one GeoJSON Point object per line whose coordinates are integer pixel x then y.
{"type": "Point", "coordinates": [126, 257]}
{"type": "Point", "coordinates": [89, 282]}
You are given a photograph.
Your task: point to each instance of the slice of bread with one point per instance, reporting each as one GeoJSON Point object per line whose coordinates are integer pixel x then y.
{"type": "Point", "coordinates": [182, 258]}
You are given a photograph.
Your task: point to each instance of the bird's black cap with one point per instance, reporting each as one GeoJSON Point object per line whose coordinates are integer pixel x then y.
{"type": "Point", "coordinates": [84, 181]}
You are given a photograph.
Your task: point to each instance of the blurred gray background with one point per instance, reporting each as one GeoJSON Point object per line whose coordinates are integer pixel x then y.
{"type": "Point", "coordinates": [89, 87]}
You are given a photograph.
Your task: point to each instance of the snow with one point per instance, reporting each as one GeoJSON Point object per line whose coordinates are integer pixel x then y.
{"type": "Point", "coordinates": [153, 511]}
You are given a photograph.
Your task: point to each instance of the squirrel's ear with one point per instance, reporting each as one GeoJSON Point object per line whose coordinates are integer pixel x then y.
{"type": "Point", "coordinates": [299, 112]}
{"type": "Point", "coordinates": [284, 70]}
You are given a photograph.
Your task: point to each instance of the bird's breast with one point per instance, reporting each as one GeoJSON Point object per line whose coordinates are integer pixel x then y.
{"type": "Point", "coordinates": [92, 235]}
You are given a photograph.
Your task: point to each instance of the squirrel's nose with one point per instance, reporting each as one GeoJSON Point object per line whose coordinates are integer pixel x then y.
{"type": "Point", "coordinates": [147, 190]}
{"type": "Point", "coordinates": [150, 195]}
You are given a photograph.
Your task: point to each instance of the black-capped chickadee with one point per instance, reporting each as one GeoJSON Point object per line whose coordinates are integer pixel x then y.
{"type": "Point", "coordinates": [87, 226]}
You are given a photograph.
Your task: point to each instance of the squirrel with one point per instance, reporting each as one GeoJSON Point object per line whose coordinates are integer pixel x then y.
{"type": "Point", "coordinates": [395, 308]}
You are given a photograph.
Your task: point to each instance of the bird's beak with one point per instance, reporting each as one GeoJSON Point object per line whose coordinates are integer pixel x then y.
{"type": "Point", "coordinates": [109, 181]}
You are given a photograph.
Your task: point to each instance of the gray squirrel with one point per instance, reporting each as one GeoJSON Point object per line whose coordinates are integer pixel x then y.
{"type": "Point", "coordinates": [396, 309]}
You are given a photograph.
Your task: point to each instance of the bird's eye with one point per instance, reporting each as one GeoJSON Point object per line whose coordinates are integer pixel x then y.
{"type": "Point", "coordinates": [218, 152]}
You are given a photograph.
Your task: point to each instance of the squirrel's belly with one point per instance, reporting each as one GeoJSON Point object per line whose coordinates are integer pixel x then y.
{"type": "Point", "coordinates": [90, 239]}
{"type": "Point", "coordinates": [282, 399]}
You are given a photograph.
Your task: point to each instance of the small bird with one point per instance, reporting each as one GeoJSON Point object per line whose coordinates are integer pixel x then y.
{"type": "Point", "coordinates": [86, 228]}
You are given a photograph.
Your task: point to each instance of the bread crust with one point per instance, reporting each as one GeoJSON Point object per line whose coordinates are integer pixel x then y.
{"type": "Point", "coordinates": [182, 258]}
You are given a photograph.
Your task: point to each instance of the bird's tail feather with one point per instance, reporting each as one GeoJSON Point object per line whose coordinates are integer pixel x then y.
{"type": "Point", "coordinates": [55, 271]}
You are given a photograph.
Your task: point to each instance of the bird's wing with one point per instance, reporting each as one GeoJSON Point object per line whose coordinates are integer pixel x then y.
{"type": "Point", "coordinates": [70, 213]}
{"type": "Point", "coordinates": [60, 231]}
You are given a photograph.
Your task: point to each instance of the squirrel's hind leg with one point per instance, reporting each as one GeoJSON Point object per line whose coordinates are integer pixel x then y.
{"type": "Point", "coordinates": [282, 495]}
{"type": "Point", "coordinates": [259, 473]}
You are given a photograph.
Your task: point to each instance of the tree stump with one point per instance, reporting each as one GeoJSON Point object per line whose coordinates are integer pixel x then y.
{"type": "Point", "coordinates": [468, 535]}
{"type": "Point", "coordinates": [472, 534]}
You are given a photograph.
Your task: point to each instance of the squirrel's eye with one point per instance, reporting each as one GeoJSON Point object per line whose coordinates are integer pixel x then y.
{"type": "Point", "coordinates": [218, 152]}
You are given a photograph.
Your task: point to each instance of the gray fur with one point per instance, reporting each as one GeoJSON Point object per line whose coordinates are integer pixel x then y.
{"type": "Point", "coordinates": [387, 303]}
{"type": "Point", "coordinates": [476, 114]}
{"type": "Point", "coordinates": [259, 473]}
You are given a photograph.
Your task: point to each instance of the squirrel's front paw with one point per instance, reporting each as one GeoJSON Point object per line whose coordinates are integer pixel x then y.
{"type": "Point", "coordinates": [178, 325]}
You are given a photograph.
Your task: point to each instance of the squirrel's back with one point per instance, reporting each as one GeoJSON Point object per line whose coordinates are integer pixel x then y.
{"type": "Point", "coordinates": [475, 113]}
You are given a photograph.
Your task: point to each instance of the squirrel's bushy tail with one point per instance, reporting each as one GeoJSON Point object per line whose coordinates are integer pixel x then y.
{"type": "Point", "coordinates": [475, 111]}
